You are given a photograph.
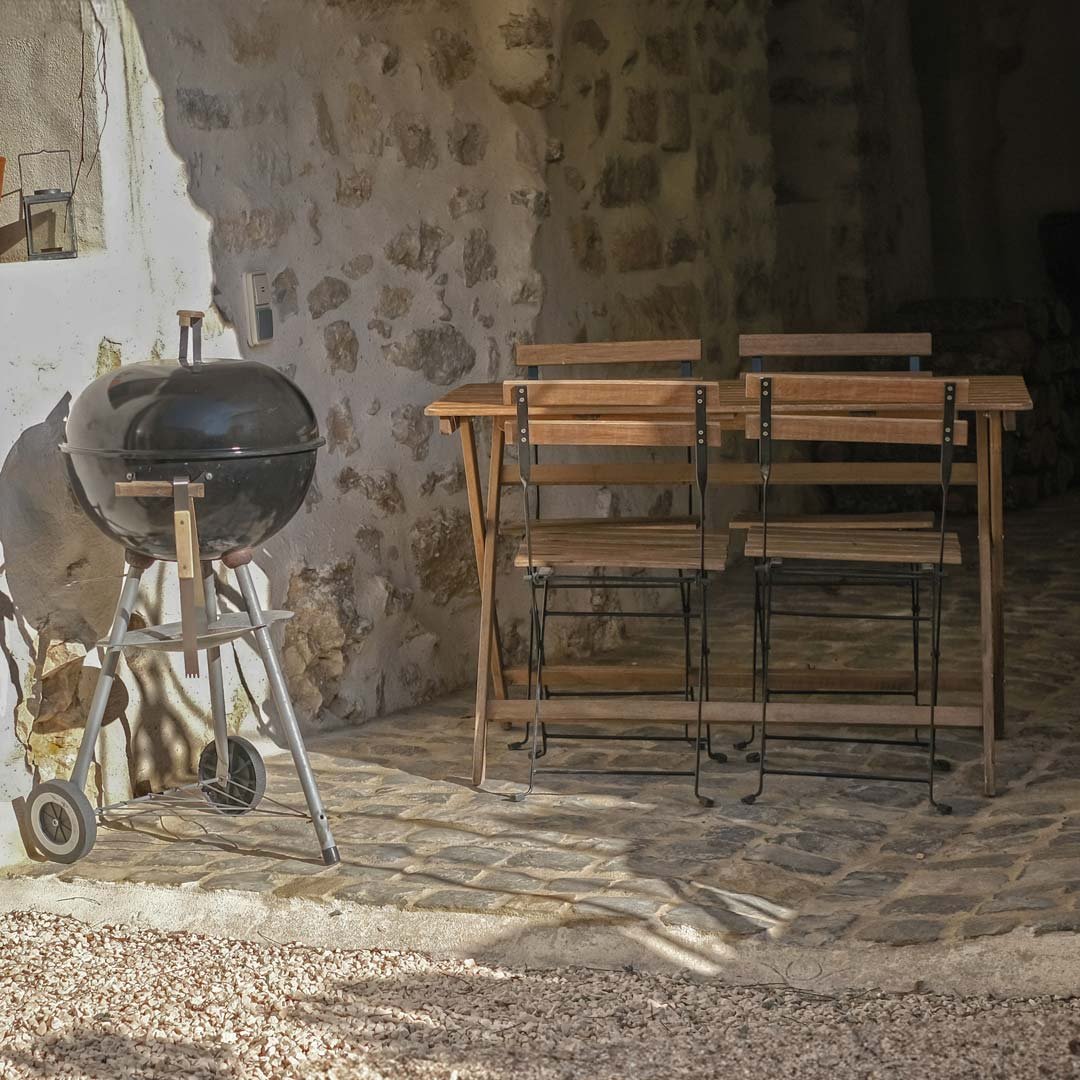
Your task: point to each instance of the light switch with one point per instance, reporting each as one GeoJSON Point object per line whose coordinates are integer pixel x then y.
{"type": "Point", "coordinates": [260, 315]}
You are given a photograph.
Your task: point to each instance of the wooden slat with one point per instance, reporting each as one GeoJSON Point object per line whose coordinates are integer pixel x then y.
{"type": "Point", "coordinates": [517, 528]}
{"type": "Point", "coordinates": [855, 390]}
{"type": "Point", "coordinates": [893, 546]}
{"type": "Point", "coordinates": [600, 393]}
{"type": "Point", "coordinates": [813, 345]}
{"type": "Point", "coordinates": [579, 432]}
{"type": "Point", "coordinates": [153, 489]}
{"type": "Point", "coordinates": [917, 520]}
{"type": "Point", "coordinates": [732, 474]}
{"type": "Point", "coordinates": [642, 547]}
{"type": "Point", "coordinates": [987, 393]}
{"type": "Point", "coordinates": [887, 431]}
{"type": "Point", "coordinates": [647, 711]}
{"type": "Point", "coordinates": [609, 352]}
{"type": "Point", "coordinates": [656, 677]}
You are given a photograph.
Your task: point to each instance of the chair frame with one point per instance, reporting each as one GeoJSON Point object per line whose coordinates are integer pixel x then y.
{"type": "Point", "coordinates": [542, 580]}
{"type": "Point", "coordinates": [685, 352]}
{"type": "Point", "coordinates": [759, 348]}
{"type": "Point", "coordinates": [769, 427]}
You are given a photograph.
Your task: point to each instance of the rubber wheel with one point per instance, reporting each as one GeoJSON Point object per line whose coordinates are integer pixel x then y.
{"type": "Point", "coordinates": [247, 777]}
{"type": "Point", "coordinates": [62, 821]}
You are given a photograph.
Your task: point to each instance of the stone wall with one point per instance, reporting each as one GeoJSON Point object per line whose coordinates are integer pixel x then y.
{"type": "Point", "coordinates": [662, 162]}
{"type": "Point", "coordinates": [384, 164]}
{"type": "Point", "coordinates": [853, 229]}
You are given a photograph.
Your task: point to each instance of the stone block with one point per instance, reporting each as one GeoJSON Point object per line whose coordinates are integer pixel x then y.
{"type": "Point", "coordinates": [626, 181]}
{"type": "Point", "coordinates": [452, 57]}
{"type": "Point", "coordinates": [329, 294]}
{"type": "Point", "coordinates": [675, 120]}
{"type": "Point", "coordinates": [467, 141]}
{"type": "Point", "coordinates": [642, 115]}
{"type": "Point", "coordinates": [442, 353]}
{"type": "Point", "coordinates": [637, 248]}
{"type": "Point", "coordinates": [342, 346]}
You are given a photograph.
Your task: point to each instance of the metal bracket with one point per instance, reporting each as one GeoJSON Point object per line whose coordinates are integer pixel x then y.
{"type": "Point", "coordinates": [948, 428]}
{"type": "Point", "coordinates": [521, 434]}
{"type": "Point", "coordinates": [190, 322]}
{"type": "Point", "coordinates": [701, 441]}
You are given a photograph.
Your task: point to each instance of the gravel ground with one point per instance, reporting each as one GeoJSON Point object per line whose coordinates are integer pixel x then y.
{"type": "Point", "coordinates": [80, 1001]}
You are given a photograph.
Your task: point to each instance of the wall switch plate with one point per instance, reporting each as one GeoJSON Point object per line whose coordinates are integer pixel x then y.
{"type": "Point", "coordinates": [260, 315]}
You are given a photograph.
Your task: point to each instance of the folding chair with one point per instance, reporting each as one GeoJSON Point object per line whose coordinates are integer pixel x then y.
{"type": "Point", "coordinates": [808, 408]}
{"type": "Point", "coordinates": [559, 555]}
{"type": "Point", "coordinates": [796, 353]}
{"type": "Point", "coordinates": [590, 355]}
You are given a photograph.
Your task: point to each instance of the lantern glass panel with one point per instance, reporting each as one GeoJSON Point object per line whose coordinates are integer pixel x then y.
{"type": "Point", "coordinates": [50, 225]}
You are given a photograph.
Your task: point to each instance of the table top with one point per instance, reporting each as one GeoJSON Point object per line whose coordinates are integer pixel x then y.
{"type": "Point", "coordinates": [986, 393]}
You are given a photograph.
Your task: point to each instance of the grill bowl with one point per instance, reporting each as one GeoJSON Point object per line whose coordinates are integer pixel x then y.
{"type": "Point", "coordinates": [241, 428]}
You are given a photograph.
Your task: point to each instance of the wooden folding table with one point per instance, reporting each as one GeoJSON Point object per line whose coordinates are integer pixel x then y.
{"type": "Point", "coordinates": [993, 401]}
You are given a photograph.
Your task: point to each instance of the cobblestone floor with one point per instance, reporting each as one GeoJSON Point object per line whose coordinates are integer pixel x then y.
{"type": "Point", "coordinates": [813, 861]}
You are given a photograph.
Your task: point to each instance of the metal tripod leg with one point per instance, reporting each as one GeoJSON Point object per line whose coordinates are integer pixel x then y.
{"type": "Point", "coordinates": [287, 716]}
{"type": "Point", "coordinates": [129, 595]}
{"type": "Point", "coordinates": [217, 682]}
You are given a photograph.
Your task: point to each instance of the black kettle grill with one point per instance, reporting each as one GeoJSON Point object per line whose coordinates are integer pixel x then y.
{"type": "Point", "coordinates": [240, 427]}
{"type": "Point", "coordinates": [189, 463]}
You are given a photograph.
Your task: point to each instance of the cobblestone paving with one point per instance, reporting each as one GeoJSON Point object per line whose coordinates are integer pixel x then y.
{"type": "Point", "coordinates": [813, 861]}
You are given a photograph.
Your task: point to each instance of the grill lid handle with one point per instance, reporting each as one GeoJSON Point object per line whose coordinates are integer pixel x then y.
{"type": "Point", "coordinates": [190, 322]}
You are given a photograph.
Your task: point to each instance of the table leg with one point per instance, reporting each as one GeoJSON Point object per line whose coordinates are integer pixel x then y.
{"type": "Point", "coordinates": [986, 605]}
{"type": "Point", "coordinates": [476, 517]}
{"type": "Point", "coordinates": [997, 570]}
{"type": "Point", "coordinates": [487, 604]}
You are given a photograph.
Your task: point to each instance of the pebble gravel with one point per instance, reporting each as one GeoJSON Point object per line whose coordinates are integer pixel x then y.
{"type": "Point", "coordinates": [123, 1002]}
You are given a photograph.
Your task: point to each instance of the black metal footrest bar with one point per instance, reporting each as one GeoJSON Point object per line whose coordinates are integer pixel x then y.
{"type": "Point", "coordinates": [858, 615]}
{"type": "Point", "coordinates": [623, 738]}
{"type": "Point", "coordinates": [610, 772]}
{"type": "Point", "coordinates": [693, 616]}
{"type": "Point", "coordinates": [834, 775]}
{"type": "Point", "coordinates": [850, 739]}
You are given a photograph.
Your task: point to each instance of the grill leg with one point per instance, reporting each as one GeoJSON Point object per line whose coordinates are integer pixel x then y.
{"type": "Point", "coordinates": [287, 717]}
{"type": "Point", "coordinates": [129, 595]}
{"type": "Point", "coordinates": [217, 681]}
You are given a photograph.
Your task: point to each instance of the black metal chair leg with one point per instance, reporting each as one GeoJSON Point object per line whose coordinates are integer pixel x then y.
{"type": "Point", "coordinates": [744, 744]}
{"type": "Point", "coordinates": [536, 725]}
{"type": "Point", "coordinates": [935, 669]}
{"type": "Point", "coordinates": [702, 689]}
{"type": "Point", "coordinates": [765, 644]}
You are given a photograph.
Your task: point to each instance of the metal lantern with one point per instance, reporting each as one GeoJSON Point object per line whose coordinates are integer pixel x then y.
{"type": "Point", "coordinates": [49, 217]}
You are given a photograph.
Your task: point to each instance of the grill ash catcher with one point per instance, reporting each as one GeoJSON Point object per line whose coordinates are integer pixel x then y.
{"type": "Point", "coordinates": [190, 463]}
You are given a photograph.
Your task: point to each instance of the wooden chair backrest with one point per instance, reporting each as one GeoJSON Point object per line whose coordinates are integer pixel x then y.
{"type": "Point", "coordinates": [685, 352]}
{"type": "Point", "coordinates": [816, 408]}
{"type": "Point", "coordinates": [757, 348]}
{"type": "Point", "coordinates": [640, 412]}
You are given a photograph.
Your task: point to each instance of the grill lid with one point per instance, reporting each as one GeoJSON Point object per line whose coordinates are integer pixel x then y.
{"type": "Point", "coordinates": [213, 409]}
